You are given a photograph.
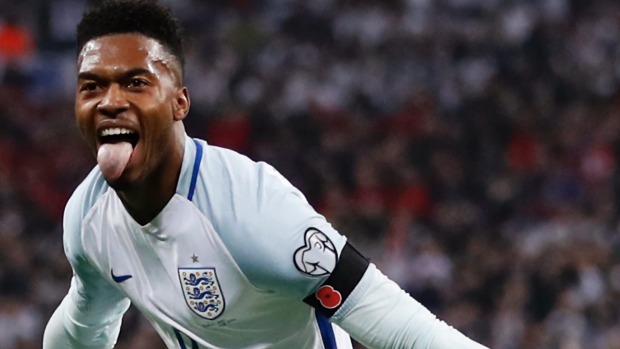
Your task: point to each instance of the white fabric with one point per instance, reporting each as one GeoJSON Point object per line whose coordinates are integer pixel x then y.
{"type": "Point", "coordinates": [244, 225]}
{"type": "Point", "coordinates": [227, 269]}
{"type": "Point", "coordinates": [380, 315]}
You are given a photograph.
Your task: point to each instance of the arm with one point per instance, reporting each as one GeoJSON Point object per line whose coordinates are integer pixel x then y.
{"type": "Point", "coordinates": [90, 314]}
{"type": "Point", "coordinates": [87, 317]}
{"type": "Point", "coordinates": [308, 256]}
{"type": "Point", "coordinates": [379, 314]}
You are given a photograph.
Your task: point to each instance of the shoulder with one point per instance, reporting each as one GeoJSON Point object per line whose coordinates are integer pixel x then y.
{"type": "Point", "coordinates": [240, 172]}
{"type": "Point", "coordinates": [251, 202]}
{"type": "Point", "coordinates": [81, 201]}
{"type": "Point", "coordinates": [248, 190]}
{"type": "Point", "coordinates": [235, 183]}
{"type": "Point", "coordinates": [228, 163]}
{"type": "Point", "coordinates": [85, 196]}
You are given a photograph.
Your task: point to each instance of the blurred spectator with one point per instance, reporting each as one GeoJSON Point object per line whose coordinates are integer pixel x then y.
{"type": "Point", "coordinates": [16, 51]}
{"type": "Point", "coordinates": [16, 41]}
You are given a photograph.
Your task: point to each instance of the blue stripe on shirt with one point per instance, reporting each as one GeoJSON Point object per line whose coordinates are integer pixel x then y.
{"type": "Point", "coordinates": [192, 184]}
{"type": "Point", "coordinates": [327, 332]}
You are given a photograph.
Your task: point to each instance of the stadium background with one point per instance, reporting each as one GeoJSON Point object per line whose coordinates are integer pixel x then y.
{"type": "Point", "coordinates": [470, 147]}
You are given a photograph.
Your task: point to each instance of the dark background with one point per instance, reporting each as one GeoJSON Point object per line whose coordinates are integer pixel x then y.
{"type": "Point", "coordinates": [469, 147]}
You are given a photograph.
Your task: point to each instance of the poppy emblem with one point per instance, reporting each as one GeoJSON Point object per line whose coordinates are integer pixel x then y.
{"type": "Point", "coordinates": [328, 297]}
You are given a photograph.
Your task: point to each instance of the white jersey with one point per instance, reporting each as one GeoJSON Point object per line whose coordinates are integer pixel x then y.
{"type": "Point", "coordinates": [226, 264]}
{"type": "Point", "coordinates": [236, 259]}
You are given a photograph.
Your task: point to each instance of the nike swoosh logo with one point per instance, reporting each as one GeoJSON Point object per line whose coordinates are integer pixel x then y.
{"type": "Point", "coordinates": [119, 278]}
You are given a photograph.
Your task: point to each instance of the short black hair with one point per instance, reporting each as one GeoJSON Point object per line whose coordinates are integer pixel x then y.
{"type": "Point", "coordinates": [145, 17]}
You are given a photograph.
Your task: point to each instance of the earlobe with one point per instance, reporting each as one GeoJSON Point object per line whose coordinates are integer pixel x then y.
{"type": "Point", "coordinates": [181, 105]}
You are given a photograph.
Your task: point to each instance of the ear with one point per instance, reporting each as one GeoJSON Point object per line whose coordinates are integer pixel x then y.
{"type": "Point", "coordinates": [181, 104]}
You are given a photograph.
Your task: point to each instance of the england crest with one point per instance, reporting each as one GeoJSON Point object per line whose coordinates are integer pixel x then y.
{"type": "Point", "coordinates": [202, 291]}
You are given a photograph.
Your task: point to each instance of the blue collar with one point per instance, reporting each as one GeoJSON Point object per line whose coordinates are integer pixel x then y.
{"type": "Point", "coordinates": [195, 170]}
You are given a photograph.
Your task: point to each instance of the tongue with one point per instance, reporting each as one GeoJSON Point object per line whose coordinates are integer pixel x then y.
{"type": "Point", "coordinates": [112, 158]}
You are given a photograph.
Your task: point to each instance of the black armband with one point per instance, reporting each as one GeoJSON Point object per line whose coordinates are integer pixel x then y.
{"type": "Point", "coordinates": [346, 275]}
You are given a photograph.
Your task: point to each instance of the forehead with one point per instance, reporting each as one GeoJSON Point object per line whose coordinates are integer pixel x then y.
{"type": "Point", "coordinates": [123, 51]}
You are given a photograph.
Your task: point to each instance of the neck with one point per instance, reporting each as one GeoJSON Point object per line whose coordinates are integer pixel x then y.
{"type": "Point", "coordinates": [144, 203]}
{"type": "Point", "coordinates": [145, 200]}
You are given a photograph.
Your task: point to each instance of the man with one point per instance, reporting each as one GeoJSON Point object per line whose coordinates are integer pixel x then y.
{"type": "Point", "coordinates": [216, 250]}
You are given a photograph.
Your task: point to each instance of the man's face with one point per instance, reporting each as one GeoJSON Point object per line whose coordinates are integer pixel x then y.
{"type": "Point", "coordinates": [129, 94]}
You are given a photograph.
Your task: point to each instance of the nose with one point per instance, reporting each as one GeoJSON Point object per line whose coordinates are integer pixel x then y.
{"type": "Point", "coordinates": [113, 101]}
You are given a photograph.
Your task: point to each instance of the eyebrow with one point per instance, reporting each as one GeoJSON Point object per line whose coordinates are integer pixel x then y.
{"type": "Point", "coordinates": [127, 74]}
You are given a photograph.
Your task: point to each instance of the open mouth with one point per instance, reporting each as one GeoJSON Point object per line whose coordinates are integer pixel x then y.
{"type": "Point", "coordinates": [117, 135]}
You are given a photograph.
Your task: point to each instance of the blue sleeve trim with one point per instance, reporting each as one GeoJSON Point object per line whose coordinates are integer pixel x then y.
{"type": "Point", "coordinates": [192, 185]}
{"type": "Point", "coordinates": [327, 332]}
{"type": "Point", "coordinates": [182, 341]}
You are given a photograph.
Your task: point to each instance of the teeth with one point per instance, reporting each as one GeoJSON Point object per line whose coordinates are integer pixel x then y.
{"type": "Point", "coordinates": [115, 131]}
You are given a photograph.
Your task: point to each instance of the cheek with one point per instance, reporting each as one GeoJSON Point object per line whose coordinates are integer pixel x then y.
{"type": "Point", "coordinates": [84, 121]}
{"type": "Point", "coordinates": [155, 124]}
{"type": "Point", "coordinates": [158, 116]}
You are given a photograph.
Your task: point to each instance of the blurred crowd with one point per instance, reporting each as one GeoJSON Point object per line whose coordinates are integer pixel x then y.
{"type": "Point", "coordinates": [469, 147]}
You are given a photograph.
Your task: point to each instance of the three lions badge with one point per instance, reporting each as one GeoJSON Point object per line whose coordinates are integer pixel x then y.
{"type": "Point", "coordinates": [202, 291]}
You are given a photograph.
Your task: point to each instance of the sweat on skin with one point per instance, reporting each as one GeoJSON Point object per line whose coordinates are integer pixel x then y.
{"type": "Point", "coordinates": [110, 83]}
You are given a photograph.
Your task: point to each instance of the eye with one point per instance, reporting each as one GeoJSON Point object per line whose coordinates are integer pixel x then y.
{"type": "Point", "coordinates": [88, 86]}
{"type": "Point", "coordinates": [137, 83]}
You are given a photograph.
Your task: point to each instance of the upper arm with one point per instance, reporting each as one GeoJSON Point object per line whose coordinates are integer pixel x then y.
{"type": "Point", "coordinates": [276, 237]}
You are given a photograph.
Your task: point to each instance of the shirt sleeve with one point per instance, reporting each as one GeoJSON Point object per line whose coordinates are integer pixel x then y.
{"type": "Point", "coordinates": [380, 315]}
{"type": "Point", "coordinates": [281, 244]}
{"type": "Point", "coordinates": [78, 323]}
{"type": "Point", "coordinates": [90, 314]}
